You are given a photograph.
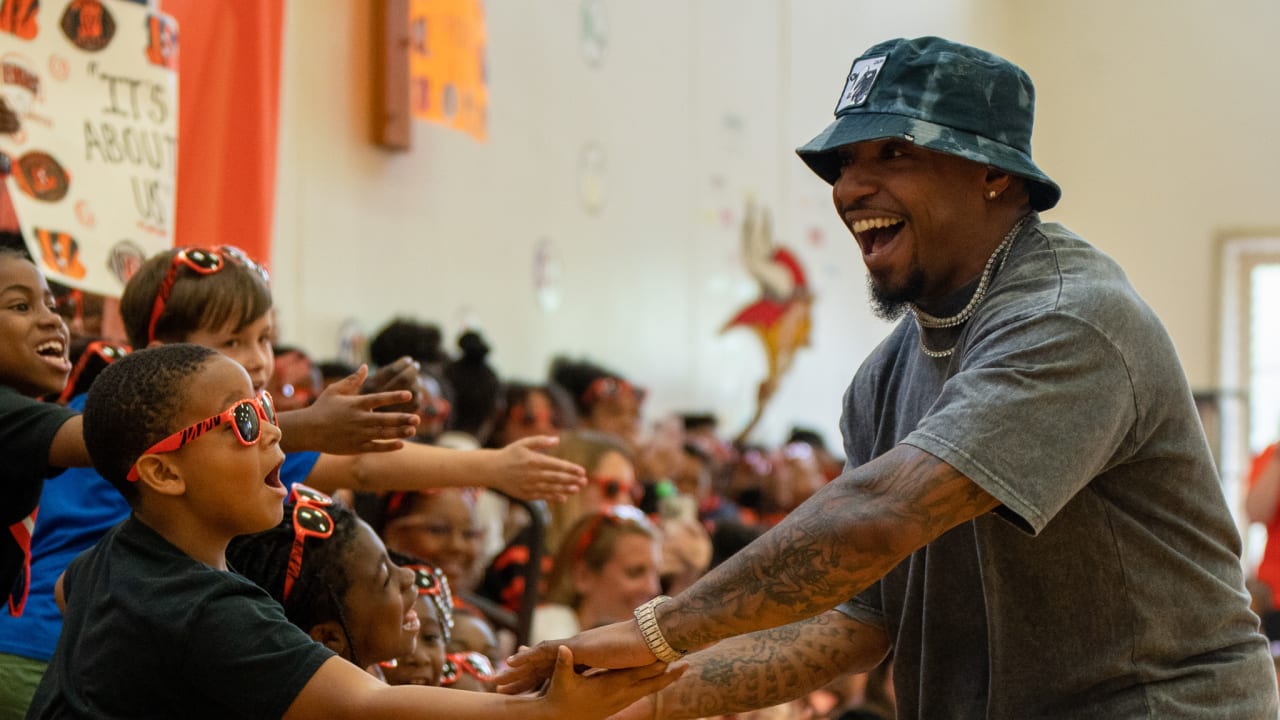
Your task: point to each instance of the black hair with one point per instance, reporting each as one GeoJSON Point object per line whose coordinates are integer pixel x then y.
{"type": "Point", "coordinates": [575, 377]}
{"type": "Point", "coordinates": [401, 337]}
{"type": "Point", "coordinates": [808, 436]}
{"type": "Point", "coordinates": [134, 403]}
{"type": "Point", "coordinates": [476, 387]}
{"type": "Point", "coordinates": [318, 593]}
{"type": "Point", "coordinates": [699, 421]}
{"type": "Point", "coordinates": [12, 245]}
{"type": "Point", "coordinates": [236, 292]}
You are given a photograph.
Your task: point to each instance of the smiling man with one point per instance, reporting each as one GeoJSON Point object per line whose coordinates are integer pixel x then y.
{"type": "Point", "coordinates": [1030, 519]}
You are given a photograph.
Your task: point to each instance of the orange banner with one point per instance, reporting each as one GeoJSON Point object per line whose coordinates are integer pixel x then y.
{"type": "Point", "coordinates": [229, 103]}
{"type": "Point", "coordinates": [448, 71]}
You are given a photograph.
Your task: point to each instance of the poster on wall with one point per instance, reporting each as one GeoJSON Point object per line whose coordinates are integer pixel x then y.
{"type": "Point", "coordinates": [448, 72]}
{"type": "Point", "coordinates": [88, 134]}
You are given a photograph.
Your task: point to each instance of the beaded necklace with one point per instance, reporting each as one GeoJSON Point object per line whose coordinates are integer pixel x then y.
{"type": "Point", "coordinates": [994, 264]}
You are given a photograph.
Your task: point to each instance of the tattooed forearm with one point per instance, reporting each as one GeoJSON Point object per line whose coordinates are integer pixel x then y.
{"type": "Point", "coordinates": [835, 545]}
{"type": "Point", "coordinates": [773, 666]}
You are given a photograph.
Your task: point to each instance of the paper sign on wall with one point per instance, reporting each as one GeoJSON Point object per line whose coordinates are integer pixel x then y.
{"type": "Point", "coordinates": [88, 134]}
{"type": "Point", "coordinates": [448, 75]}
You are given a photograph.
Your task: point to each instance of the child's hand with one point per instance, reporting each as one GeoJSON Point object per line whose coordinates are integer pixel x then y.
{"type": "Point", "coordinates": [522, 471]}
{"type": "Point", "coordinates": [344, 422]}
{"type": "Point", "coordinates": [602, 694]}
{"type": "Point", "coordinates": [399, 375]}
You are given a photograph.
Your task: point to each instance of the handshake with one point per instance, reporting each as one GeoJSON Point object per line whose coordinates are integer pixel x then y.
{"type": "Point", "coordinates": [601, 654]}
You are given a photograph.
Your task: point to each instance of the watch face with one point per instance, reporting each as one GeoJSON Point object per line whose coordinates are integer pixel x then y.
{"type": "Point", "coordinates": [592, 178]}
{"type": "Point", "coordinates": [595, 32]}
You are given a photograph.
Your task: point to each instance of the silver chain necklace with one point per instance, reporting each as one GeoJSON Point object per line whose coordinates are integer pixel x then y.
{"type": "Point", "coordinates": [994, 264]}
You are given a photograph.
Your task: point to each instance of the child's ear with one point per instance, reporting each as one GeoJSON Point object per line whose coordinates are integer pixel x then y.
{"type": "Point", "coordinates": [161, 475]}
{"type": "Point", "coordinates": [329, 634]}
{"type": "Point", "coordinates": [582, 577]}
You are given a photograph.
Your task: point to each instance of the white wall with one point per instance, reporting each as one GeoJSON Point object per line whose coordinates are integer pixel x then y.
{"type": "Point", "coordinates": [1153, 116]}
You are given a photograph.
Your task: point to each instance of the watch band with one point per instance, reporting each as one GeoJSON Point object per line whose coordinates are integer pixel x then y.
{"type": "Point", "coordinates": [648, 622]}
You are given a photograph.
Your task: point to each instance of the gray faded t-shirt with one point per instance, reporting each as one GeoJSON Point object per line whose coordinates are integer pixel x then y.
{"type": "Point", "coordinates": [1108, 585]}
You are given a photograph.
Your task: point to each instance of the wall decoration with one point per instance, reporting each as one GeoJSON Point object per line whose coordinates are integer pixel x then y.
{"type": "Point", "coordinates": [594, 32]}
{"type": "Point", "coordinates": [547, 270]}
{"type": "Point", "coordinates": [88, 142]}
{"type": "Point", "coordinates": [781, 317]}
{"type": "Point", "coordinates": [448, 71]}
{"type": "Point", "coordinates": [593, 178]}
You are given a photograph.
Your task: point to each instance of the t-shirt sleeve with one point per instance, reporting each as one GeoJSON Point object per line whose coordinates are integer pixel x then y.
{"type": "Point", "coordinates": [1039, 407]}
{"type": "Point", "coordinates": [866, 607]}
{"type": "Point", "coordinates": [27, 429]}
{"type": "Point", "coordinates": [242, 640]}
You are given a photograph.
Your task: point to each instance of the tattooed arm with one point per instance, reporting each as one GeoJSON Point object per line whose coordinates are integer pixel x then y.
{"type": "Point", "coordinates": [840, 541]}
{"type": "Point", "coordinates": [836, 544]}
{"type": "Point", "coordinates": [768, 667]}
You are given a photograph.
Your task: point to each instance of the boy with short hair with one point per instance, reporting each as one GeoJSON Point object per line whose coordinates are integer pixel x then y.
{"type": "Point", "coordinates": [158, 626]}
{"type": "Point", "coordinates": [221, 299]}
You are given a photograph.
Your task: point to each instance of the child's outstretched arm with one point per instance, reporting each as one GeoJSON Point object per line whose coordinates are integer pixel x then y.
{"type": "Point", "coordinates": [518, 469]}
{"type": "Point", "coordinates": [341, 690]}
{"type": "Point", "coordinates": [67, 449]}
{"type": "Point", "coordinates": [344, 422]}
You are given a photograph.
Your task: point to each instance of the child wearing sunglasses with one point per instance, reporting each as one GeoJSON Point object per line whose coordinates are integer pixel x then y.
{"type": "Point", "coordinates": [222, 301]}
{"type": "Point", "coordinates": [425, 665]}
{"type": "Point", "coordinates": [156, 624]}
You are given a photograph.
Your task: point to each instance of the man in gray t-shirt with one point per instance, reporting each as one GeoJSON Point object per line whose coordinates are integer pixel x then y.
{"type": "Point", "coordinates": [1030, 519]}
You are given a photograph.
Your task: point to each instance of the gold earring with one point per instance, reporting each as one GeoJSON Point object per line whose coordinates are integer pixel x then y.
{"type": "Point", "coordinates": [991, 194]}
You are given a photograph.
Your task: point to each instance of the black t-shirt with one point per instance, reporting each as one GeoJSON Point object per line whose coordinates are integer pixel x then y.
{"type": "Point", "coordinates": [27, 429]}
{"type": "Point", "coordinates": [149, 632]}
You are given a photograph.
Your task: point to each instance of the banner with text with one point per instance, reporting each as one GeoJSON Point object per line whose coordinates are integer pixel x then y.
{"type": "Point", "coordinates": [88, 134]}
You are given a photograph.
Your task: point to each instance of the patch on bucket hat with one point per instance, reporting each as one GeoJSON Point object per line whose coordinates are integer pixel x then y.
{"type": "Point", "coordinates": [861, 78]}
{"type": "Point", "coordinates": [940, 95]}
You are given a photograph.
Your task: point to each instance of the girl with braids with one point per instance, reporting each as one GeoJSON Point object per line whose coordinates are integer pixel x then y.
{"type": "Point", "coordinates": [426, 664]}
{"type": "Point", "coordinates": [332, 575]}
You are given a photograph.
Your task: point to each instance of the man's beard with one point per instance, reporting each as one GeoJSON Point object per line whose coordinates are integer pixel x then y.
{"type": "Point", "coordinates": [890, 303]}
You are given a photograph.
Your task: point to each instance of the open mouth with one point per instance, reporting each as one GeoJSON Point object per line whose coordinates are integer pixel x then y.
{"type": "Point", "coordinates": [54, 352]}
{"type": "Point", "coordinates": [411, 622]}
{"type": "Point", "coordinates": [273, 478]}
{"type": "Point", "coordinates": [876, 234]}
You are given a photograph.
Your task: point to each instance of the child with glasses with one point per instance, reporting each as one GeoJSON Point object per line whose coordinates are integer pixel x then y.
{"type": "Point", "coordinates": [425, 665]}
{"type": "Point", "coordinates": [157, 625]}
{"type": "Point", "coordinates": [223, 301]}
{"type": "Point", "coordinates": [333, 577]}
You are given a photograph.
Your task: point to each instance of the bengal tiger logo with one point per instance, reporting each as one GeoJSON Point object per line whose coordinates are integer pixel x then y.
{"type": "Point", "coordinates": [88, 25]}
{"type": "Point", "coordinates": [162, 41]}
{"type": "Point", "coordinates": [60, 253]}
{"type": "Point", "coordinates": [18, 17]}
{"type": "Point", "coordinates": [38, 176]}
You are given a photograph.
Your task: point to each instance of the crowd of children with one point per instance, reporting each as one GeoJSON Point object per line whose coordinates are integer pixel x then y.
{"type": "Point", "coordinates": [335, 534]}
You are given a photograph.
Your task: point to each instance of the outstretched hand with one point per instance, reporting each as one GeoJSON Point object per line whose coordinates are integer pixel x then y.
{"type": "Point", "coordinates": [399, 375]}
{"type": "Point", "coordinates": [619, 645]}
{"type": "Point", "coordinates": [599, 695]}
{"type": "Point", "coordinates": [522, 470]}
{"type": "Point", "coordinates": [343, 422]}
